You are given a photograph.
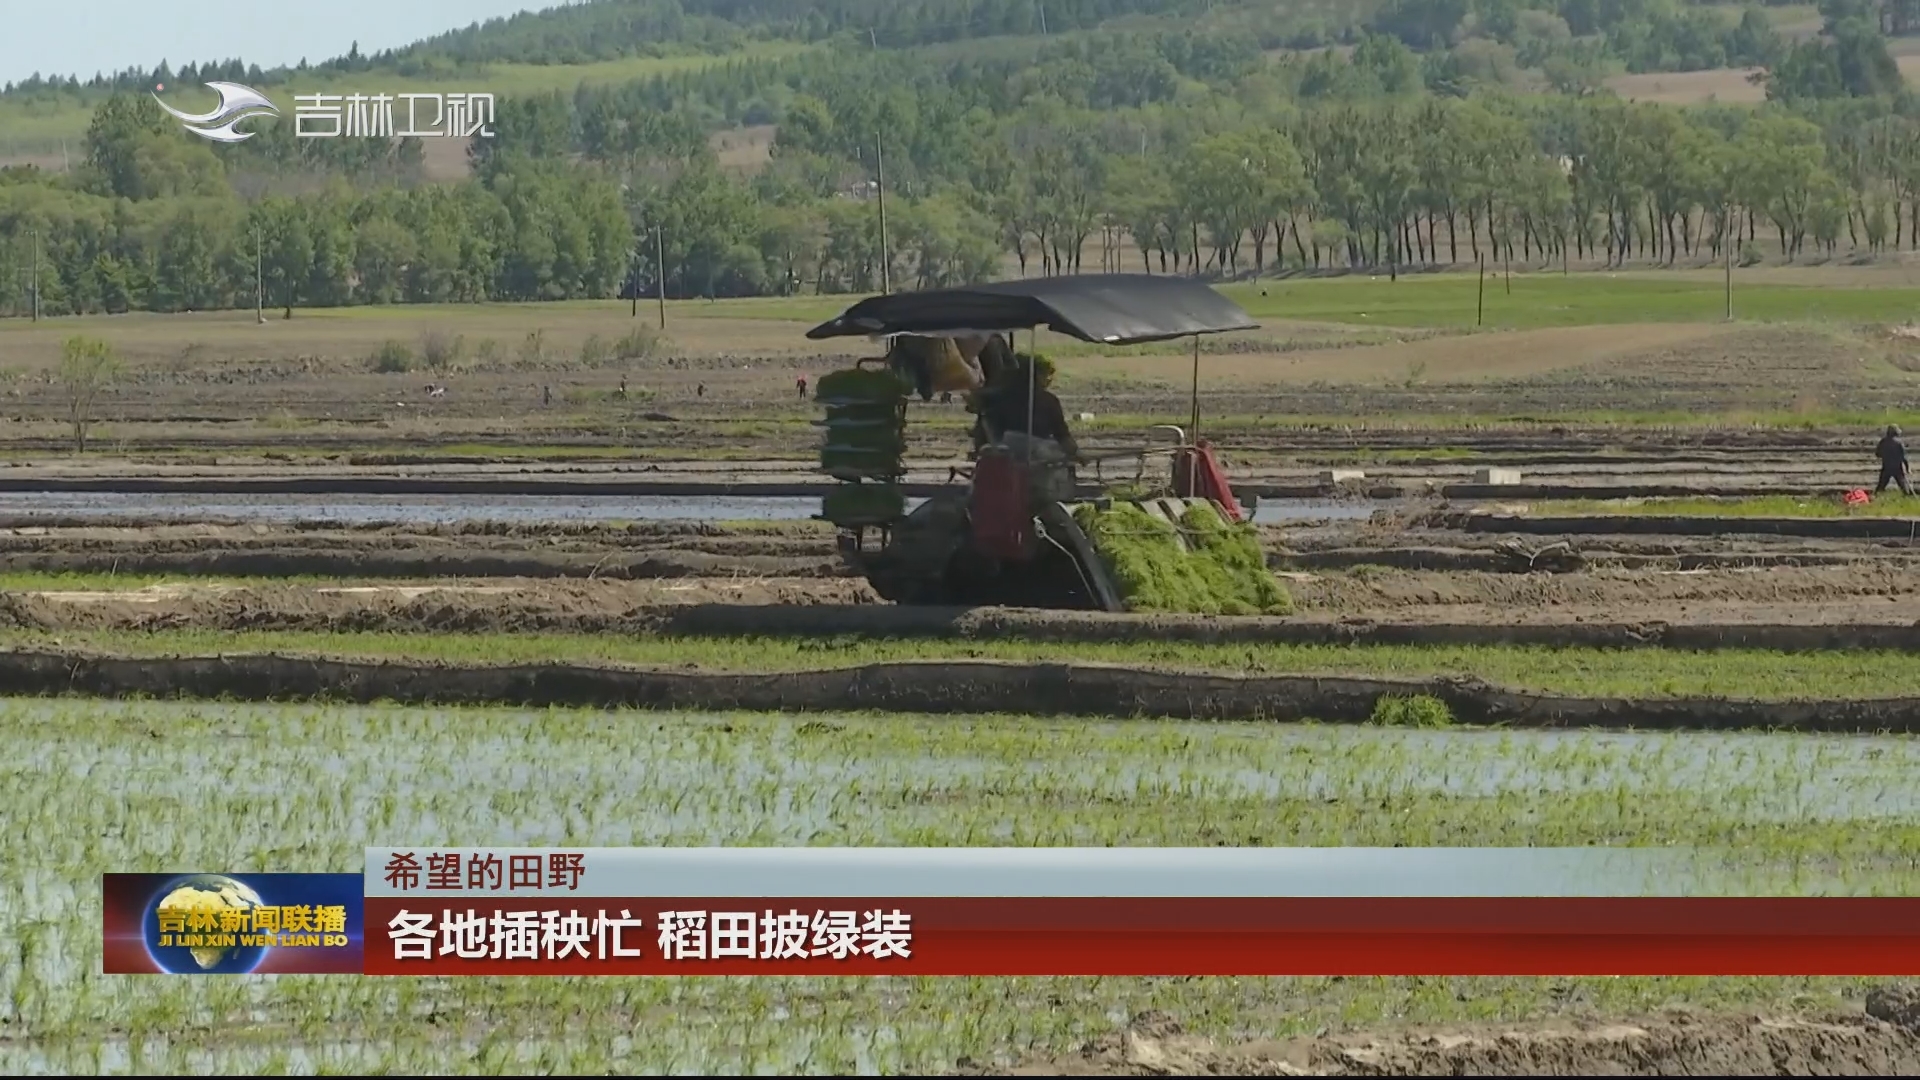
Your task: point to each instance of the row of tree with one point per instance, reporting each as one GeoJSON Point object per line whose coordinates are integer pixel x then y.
{"type": "Point", "coordinates": [1175, 150]}
{"type": "Point", "coordinates": [538, 234]}
{"type": "Point", "coordinates": [1187, 190]}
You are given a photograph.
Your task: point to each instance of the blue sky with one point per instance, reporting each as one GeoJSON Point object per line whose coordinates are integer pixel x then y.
{"type": "Point", "coordinates": [81, 37]}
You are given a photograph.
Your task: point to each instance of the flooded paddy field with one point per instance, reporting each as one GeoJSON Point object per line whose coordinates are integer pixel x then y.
{"type": "Point", "coordinates": [234, 506]}
{"type": "Point", "coordinates": [101, 786]}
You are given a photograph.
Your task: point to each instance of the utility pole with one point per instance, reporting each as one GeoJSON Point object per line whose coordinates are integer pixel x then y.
{"type": "Point", "coordinates": [36, 275]}
{"type": "Point", "coordinates": [872, 39]}
{"type": "Point", "coordinates": [660, 273]}
{"type": "Point", "coordinates": [1480, 318]}
{"type": "Point", "coordinates": [633, 277]}
{"type": "Point", "coordinates": [886, 260]}
{"type": "Point", "coordinates": [259, 280]}
{"type": "Point", "coordinates": [1729, 254]}
{"type": "Point", "coordinates": [1043, 17]}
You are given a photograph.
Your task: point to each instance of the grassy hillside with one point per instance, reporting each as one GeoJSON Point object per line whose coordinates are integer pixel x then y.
{"type": "Point", "coordinates": [618, 41]}
{"type": "Point", "coordinates": [29, 123]}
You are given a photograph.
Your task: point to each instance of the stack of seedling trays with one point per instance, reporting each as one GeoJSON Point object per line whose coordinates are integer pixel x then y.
{"type": "Point", "coordinates": [865, 446]}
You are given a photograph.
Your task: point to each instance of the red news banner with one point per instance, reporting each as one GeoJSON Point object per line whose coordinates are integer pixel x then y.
{"type": "Point", "coordinates": [1110, 911]}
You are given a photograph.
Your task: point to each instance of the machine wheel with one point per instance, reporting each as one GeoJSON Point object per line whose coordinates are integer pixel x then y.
{"type": "Point", "coordinates": [1053, 580]}
{"type": "Point", "coordinates": [928, 562]}
{"type": "Point", "coordinates": [901, 585]}
{"type": "Point", "coordinates": [911, 568]}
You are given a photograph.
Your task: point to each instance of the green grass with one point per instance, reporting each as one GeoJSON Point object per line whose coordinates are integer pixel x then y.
{"type": "Point", "coordinates": [1889, 504]}
{"type": "Point", "coordinates": [36, 123]}
{"type": "Point", "coordinates": [96, 791]}
{"type": "Point", "coordinates": [1544, 300]}
{"type": "Point", "coordinates": [1447, 301]}
{"type": "Point", "coordinates": [1422, 305]}
{"type": "Point", "coordinates": [1754, 674]}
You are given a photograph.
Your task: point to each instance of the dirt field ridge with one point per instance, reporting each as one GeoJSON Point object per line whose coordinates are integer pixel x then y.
{"type": "Point", "coordinates": [784, 611]}
{"type": "Point", "coordinates": [929, 688]}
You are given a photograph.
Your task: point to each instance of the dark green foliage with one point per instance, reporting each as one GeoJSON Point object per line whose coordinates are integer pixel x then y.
{"type": "Point", "coordinates": [392, 358]}
{"type": "Point", "coordinates": [1850, 59]}
{"type": "Point", "coordinates": [541, 232]}
{"type": "Point", "coordinates": [1644, 35]}
{"type": "Point", "coordinates": [1412, 711]}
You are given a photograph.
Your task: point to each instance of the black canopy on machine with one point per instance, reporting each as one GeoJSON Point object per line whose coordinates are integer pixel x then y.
{"type": "Point", "coordinates": [1106, 309]}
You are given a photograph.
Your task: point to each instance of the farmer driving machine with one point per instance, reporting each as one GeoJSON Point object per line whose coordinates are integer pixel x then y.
{"type": "Point", "coordinates": [1024, 530]}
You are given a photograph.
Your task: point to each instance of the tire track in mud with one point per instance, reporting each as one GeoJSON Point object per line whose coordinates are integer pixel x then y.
{"type": "Point", "coordinates": [927, 688]}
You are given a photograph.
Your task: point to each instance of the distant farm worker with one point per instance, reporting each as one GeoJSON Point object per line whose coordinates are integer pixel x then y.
{"type": "Point", "coordinates": [546, 395]}
{"type": "Point", "coordinates": [802, 384]}
{"type": "Point", "coordinates": [1893, 461]}
{"type": "Point", "coordinates": [700, 391]}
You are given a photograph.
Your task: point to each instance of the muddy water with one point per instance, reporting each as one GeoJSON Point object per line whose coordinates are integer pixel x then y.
{"type": "Point", "coordinates": [440, 509]}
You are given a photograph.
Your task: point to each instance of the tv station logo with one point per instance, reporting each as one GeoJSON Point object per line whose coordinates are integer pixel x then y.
{"type": "Point", "coordinates": [333, 116]}
{"type": "Point", "coordinates": [232, 924]}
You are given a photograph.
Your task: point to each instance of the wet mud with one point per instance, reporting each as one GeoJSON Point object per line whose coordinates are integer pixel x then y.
{"type": "Point", "coordinates": [1676, 1044]}
{"type": "Point", "coordinates": [1351, 583]}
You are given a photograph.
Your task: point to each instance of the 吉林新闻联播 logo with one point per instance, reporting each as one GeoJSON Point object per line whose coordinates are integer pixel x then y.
{"type": "Point", "coordinates": [237, 103]}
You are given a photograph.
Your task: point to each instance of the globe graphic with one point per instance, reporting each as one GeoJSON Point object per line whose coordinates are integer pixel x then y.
{"type": "Point", "coordinates": [205, 894]}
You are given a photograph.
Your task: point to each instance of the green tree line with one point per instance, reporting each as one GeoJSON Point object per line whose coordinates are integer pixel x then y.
{"type": "Point", "coordinates": [1380, 184]}
{"type": "Point", "coordinates": [1175, 151]}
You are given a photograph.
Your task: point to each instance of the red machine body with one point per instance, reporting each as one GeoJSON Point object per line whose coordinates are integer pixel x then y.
{"type": "Point", "coordinates": [1197, 475]}
{"type": "Point", "coordinates": [1002, 510]}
